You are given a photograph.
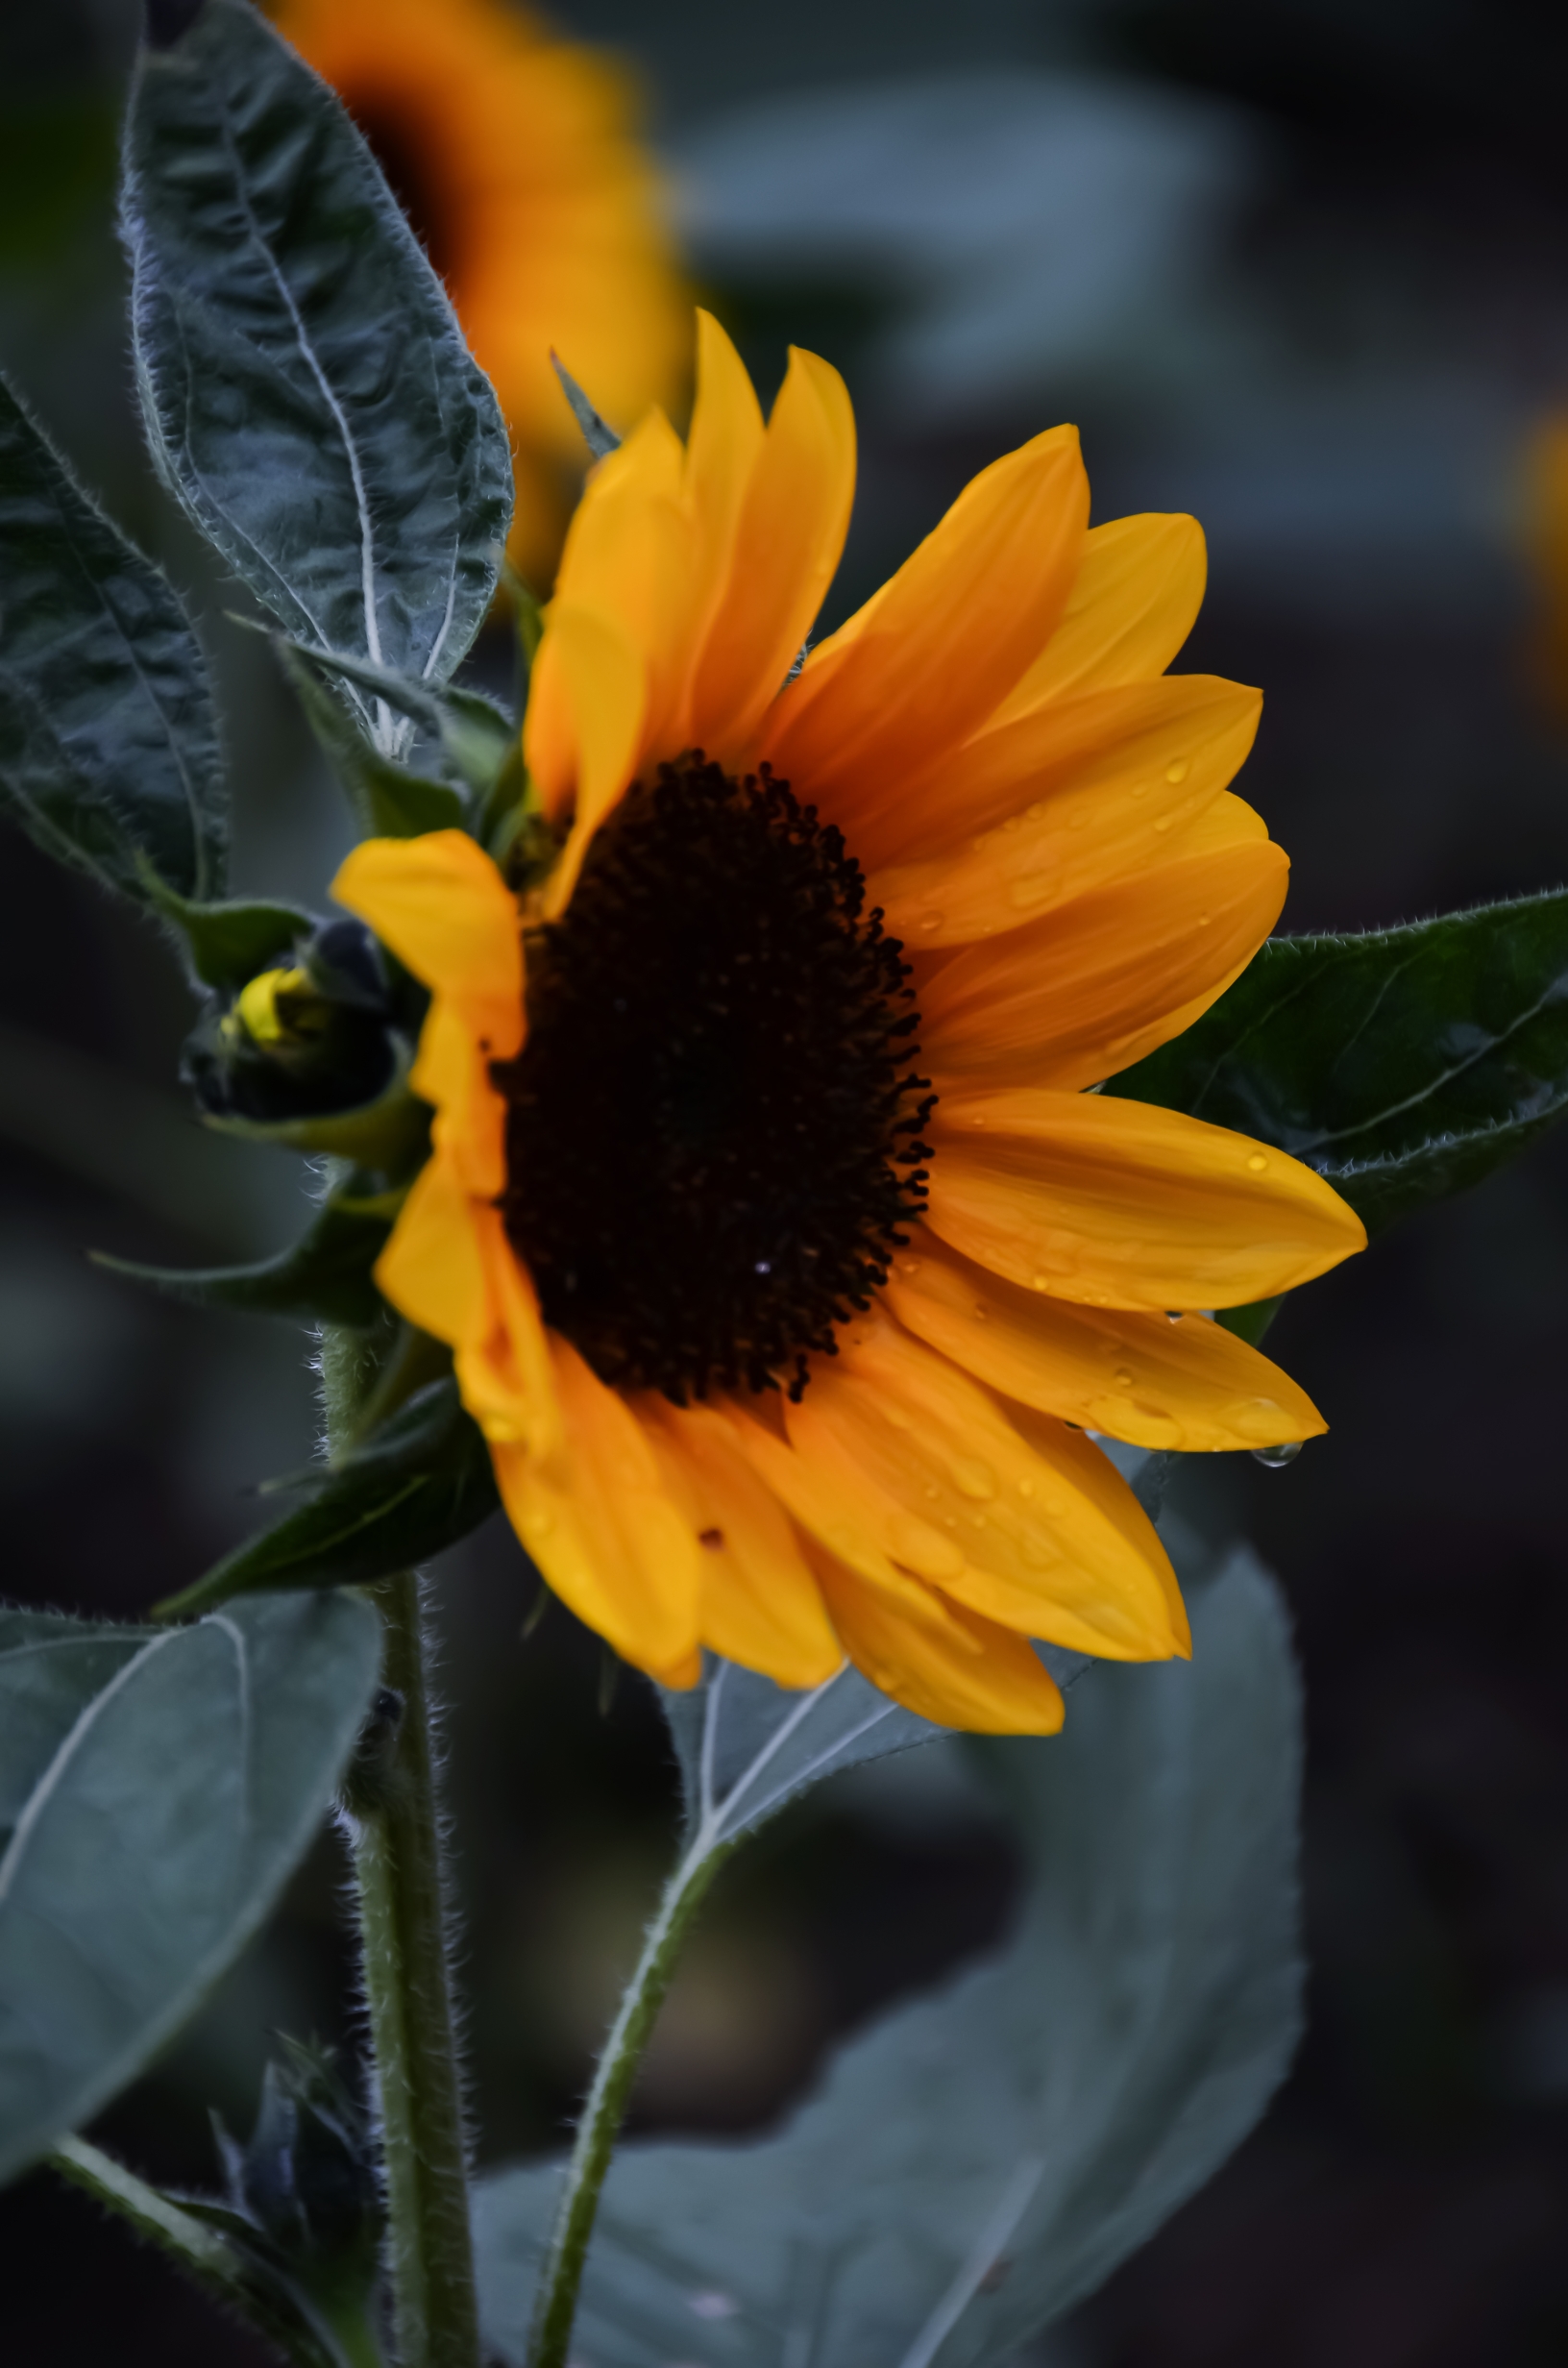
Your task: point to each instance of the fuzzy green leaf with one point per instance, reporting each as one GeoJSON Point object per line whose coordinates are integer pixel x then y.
{"type": "Point", "coordinates": [227, 944]}
{"type": "Point", "coordinates": [305, 386]}
{"type": "Point", "coordinates": [325, 1277]}
{"type": "Point", "coordinates": [109, 743]}
{"type": "Point", "coordinates": [416, 1486]}
{"type": "Point", "coordinates": [157, 1787]}
{"type": "Point", "coordinates": [1405, 1065]}
{"type": "Point", "coordinates": [984, 2156]}
{"type": "Point", "coordinates": [389, 800]}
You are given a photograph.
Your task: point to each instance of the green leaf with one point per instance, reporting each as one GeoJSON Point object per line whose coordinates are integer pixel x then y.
{"type": "Point", "coordinates": [324, 1278]}
{"type": "Point", "coordinates": [227, 944]}
{"type": "Point", "coordinates": [108, 744]}
{"type": "Point", "coordinates": [417, 1485]}
{"type": "Point", "coordinates": [157, 1789]}
{"type": "Point", "coordinates": [388, 799]}
{"type": "Point", "coordinates": [985, 2156]}
{"type": "Point", "coordinates": [305, 383]}
{"type": "Point", "coordinates": [1405, 1065]}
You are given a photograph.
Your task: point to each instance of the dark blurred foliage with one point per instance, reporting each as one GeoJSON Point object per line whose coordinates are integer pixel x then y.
{"type": "Point", "coordinates": [1354, 346]}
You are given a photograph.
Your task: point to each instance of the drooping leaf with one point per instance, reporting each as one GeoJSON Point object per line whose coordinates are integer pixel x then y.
{"type": "Point", "coordinates": [109, 743]}
{"type": "Point", "coordinates": [157, 1789]}
{"type": "Point", "coordinates": [305, 386]}
{"type": "Point", "coordinates": [984, 2156]}
{"type": "Point", "coordinates": [325, 1277]}
{"type": "Point", "coordinates": [1404, 1065]}
{"type": "Point", "coordinates": [417, 1485]}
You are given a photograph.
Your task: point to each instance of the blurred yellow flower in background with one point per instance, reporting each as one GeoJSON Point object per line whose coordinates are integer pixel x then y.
{"type": "Point", "coordinates": [515, 154]}
{"type": "Point", "coordinates": [782, 1346]}
{"type": "Point", "coordinates": [1546, 529]}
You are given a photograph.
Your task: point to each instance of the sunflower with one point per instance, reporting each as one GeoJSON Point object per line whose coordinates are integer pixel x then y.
{"type": "Point", "coordinates": [787, 1257]}
{"type": "Point", "coordinates": [515, 157]}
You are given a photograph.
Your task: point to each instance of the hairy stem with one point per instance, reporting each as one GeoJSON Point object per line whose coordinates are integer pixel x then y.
{"type": "Point", "coordinates": [394, 1823]}
{"type": "Point", "coordinates": [561, 2276]}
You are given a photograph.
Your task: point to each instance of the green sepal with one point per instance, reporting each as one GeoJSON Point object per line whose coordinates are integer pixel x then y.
{"type": "Point", "coordinates": [1404, 1065]}
{"type": "Point", "coordinates": [416, 1486]}
{"type": "Point", "coordinates": [597, 434]}
{"type": "Point", "coordinates": [389, 800]}
{"type": "Point", "coordinates": [225, 945]}
{"type": "Point", "coordinates": [325, 1277]}
{"type": "Point", "coordinates": [109, 740]}
{"type": "Point", "coordinates": [390, 1134]}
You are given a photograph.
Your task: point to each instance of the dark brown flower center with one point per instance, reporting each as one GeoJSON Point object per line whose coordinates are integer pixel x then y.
{"type": "Point", "coordinates": [713, 1129]}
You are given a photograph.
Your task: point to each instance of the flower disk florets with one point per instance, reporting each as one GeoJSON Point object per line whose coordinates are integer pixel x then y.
{"type": "Point", "coordinates": [713, 1129]}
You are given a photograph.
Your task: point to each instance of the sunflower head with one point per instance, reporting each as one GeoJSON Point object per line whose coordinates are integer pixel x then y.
{"type": "Point", "coordinates": [788, 1256]}
{"type": "Point", "coordinates": [517, 158]}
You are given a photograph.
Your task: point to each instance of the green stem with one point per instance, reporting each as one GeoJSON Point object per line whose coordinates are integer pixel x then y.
{"type": "Point", "coordinates": [397, 1858]}
{"type": "Point", "coordinates": [395, 1825]}
{"type": "Point", "coordinates": [561, 2276]}
{"type": "Point", "coordinates": [269, 2302]}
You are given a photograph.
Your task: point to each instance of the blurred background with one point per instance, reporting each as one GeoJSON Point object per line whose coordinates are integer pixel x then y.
{"type": "Point", "coordinates": [1303, 270]}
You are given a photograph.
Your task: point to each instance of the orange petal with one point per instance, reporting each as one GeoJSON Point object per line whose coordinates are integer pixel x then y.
{"type": "Point", "coordinates": [761, 1605]}
{"type": "Point", "coordinates": [1039, 1533]}
{"type": "Point", "coordinates": [1064, 802]}
{"type": "Point", "coordinates": [433, 1270]}
{"type": "Point", "coordinates": [829, 1502]}
{"type": "Point", "coordinates": [1185, 1383]}
{"type": "Point", "coordinates": [1090, 989]}
{"type": "Point", "coordinates": [1119, 1204]}
{"type": "Point", "coordinates": [976, 1676]}
{"type": "Point", "coordinates": [585, 730]}
{"type": "Point", "coordinates": [927, 660]}
{"type": "Point", "coordinates": [453, 1072]}
{"type": "Point", "coordinates": [786, 547]}
{"type": "Point", "coordinates": [602, 1528]}
{"type": "Point", "coordinates": [1134, 603]}
{"type": "Point", "coordinates": [505, 1374]}
{"type": "Point", "coordinates": [722, 453]}
{"type": "Point", "coordinates": [445, 911]}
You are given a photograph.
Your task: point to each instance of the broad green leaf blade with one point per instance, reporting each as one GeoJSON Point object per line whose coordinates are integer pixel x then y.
{"type": "Point", "coordinates": [746, 1747]}
{"type": "Point", "coordinates": [418, 1485]}
{"type": "Point", "coordinates": [324, 1278]}
{"type": "Point", "coordinates": [1046, 2111]}
{"type": "Point", "coordinates": [109, 743]}
{"type": "Point", "coordinates": [304, 379]}
{"type": "Point", "coordinates": [157, 1789]}
{"type": "Point", "coordinates": [1404, 1065]}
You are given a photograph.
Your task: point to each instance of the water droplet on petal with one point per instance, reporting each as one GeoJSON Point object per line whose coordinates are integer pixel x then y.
{"type": "Point", "coordinates": [1040, 1282]}
{"type": "Point", "coordinates": [909, 1265]}
{"type": "Point", "coordinates": [1256, 1162]}
{"type": "Point", "coordinates": [1162, 822]}
{"type": "Point", "coordinates": [1179, 771]}
{"type": "Point", "coordinates": [973, 1477]}
{"type": "Point", "coordinates": [981, 1311]}
{"type": "Point", "coordinates": [930, 921]}
{"type": "Point", "coordinates": [1124, 1379]}
{"type": "Point", "coordinates": [1275, 1458]}
{"type": "Point", "coordinates": [1026, 1486]}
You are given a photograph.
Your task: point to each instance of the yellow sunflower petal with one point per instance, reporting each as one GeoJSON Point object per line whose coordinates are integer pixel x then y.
{"type": "Point", "coordinates": [761, 1605]}
{"type": "Point", "coordinates": [505, 1374]}
{"type": "Point", "coordinates": [1226, 821]}
{"type": "Point", "coordinates": [583, 732]}
{"type": "Point", "coordinates": [1119, 1204]}
{"type": "Point", "coordinates": [788, 541]}
{"type": "Point", "coordinates": [925, 662]}
{"type": "Point", "coordinates": [976, 1675]}
{"type": "Point", "coordinates": [1132, 605]}
{"type": "Point", "coordinates": [433, 1270]}
{"type": "Point", "coordinates": [453, 1072]}
{"type": "Point", "coordinates": [722, 453]}
{"type": "Point", "coordinates": [602, 1526]}
{"type": "Point", "coordinates": [1039, 1533]}
{"type": "Point", "coordinates": [1061, 803]}
{"type": "Point", "coordinates": [444, 909]}
{"type": "Point", "coordinates": [1073, 998]}
{"type": "Point", "coordinates": [1186, 1384]}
